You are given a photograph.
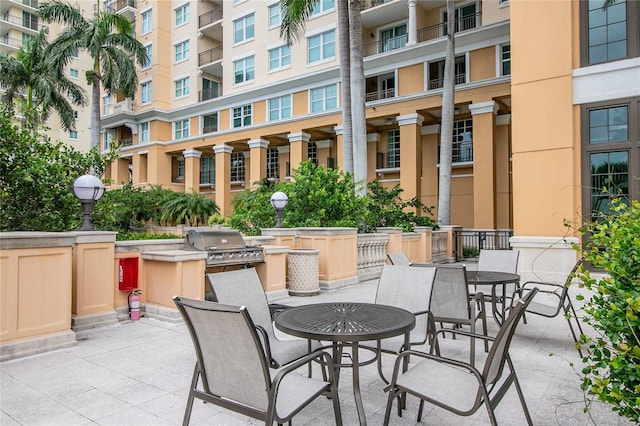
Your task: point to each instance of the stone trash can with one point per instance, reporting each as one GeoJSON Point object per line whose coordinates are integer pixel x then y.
{"type": "Point", "coordinates": [303, 272]}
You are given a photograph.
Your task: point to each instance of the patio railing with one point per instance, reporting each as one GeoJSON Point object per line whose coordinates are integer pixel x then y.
{"type": "Point", "coordinates": [468, 242]}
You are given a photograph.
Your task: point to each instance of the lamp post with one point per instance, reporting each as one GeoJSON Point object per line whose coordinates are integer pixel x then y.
{"type": "Point", "coordinates": [88, 189]}
{"type": "Point", "coordinates": [279, 201]}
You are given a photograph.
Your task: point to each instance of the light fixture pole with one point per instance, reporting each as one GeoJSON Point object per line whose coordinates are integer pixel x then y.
{"type": "Point", "coordinates": [88, 189]}
{"type": "Point", "coordinates": [279, 202]}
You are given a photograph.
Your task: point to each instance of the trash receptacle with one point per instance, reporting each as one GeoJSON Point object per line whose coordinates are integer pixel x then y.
{"type": "Point", "coordinates": [303, 272]}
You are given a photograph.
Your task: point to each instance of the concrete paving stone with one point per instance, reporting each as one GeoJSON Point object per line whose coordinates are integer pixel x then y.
{"type": "Point", "coordinates": [7, 420]}
{"type": "Point", "coordinates": [164, 379]}
{"type": "Point", "coordinates": [168, 406]}
{"type": "Point", "coordinates": [133, 391]}
{"type": "Point", "coordinates": [96, 404]}
{"type": "Point", "coordinates": [133, 416]}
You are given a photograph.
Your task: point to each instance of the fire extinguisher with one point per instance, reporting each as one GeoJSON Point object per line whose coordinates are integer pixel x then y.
{"type": "Point", "coordinates": [134, 305]}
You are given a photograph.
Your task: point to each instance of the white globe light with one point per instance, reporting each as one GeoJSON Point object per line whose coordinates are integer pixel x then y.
{"type": "Point", "coordinates": [88, 187]}
{"type": "Point", "coordinates": [279, 200]}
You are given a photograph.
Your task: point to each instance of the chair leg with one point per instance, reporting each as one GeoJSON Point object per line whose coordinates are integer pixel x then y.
{"type": "Point", "coordinates": [521, 396]}
{"type": "Point", "coordinates": [189, 407]}
{"type": "Point", "coordinates": [387, 412]}
{"type": "Point", "coordinates": [419, 418]}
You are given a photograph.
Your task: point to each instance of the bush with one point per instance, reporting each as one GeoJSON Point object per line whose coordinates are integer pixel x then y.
{"type": "Point", "coordinates": [252, 209]}
{"type": "Point", "coordinates": [190, 208]}
{"type": "Point", "coordinates": [613, 245]}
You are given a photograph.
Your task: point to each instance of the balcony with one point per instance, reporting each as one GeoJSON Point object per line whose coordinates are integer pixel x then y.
{"type": "Point", "coordinates": [210, 93]}
{"type": "Point", "coordinates": [9, 44]}
{"type": "Point", "coordinates": [210, 61]}
{"type": "Point", "coordinates": [438, 83]}
{"type": "Point", "coordinates": [433, 32]}
{"type": "Point", "coordinates": [210, 24]}
{"type": "Point", "coordinates": [380, 94]}
{"type": "Point", "coordinates": [120, 107]}
{"type": "Point", "coordinates": [385, 45]}
{"type": "Point", "coordinates": [127, 8]}
{"type": "Point", "coordinates": [25, 24]}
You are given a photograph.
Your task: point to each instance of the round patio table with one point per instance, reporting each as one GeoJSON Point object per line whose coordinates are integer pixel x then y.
{"type": "Point", "coordinates": [494, 279]}
{"type": "Point", "coordinates": [347, 323]}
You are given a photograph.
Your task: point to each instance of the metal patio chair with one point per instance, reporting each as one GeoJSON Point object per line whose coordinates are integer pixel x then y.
{"type": "Point", "coordinates": [399, 258]}
{"type": "Point", "coordinates": [242, 287]}
{"type": "Point", "coordinates": [451, 303]}
{"type": "Point", "coordinates": [457, 386]}
{"type": "Point", "coordinates": [500, 261]}
{"type": "Point", "coordinates": [233, 368]}
{"type": "Point", "coordinates": [552, 299]}
{"type": "Point", "coordinates": [408, 288]}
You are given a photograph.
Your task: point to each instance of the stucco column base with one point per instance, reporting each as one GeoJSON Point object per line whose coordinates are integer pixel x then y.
{"type": "Point", "coordinates": [273, 296]}
{"type": "Point", "coordinates": [86, 322]}
{"type": "Point", "coordinates": [339, 283]}
{"type": "Point", "coordinates": [37, 345]}
{"type": "Point", "coordinates": [161, 313]}
{"type": "Point", "coordinates": [547, 259]}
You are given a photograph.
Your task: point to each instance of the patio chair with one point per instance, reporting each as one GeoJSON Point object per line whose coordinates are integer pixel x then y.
{"type": "Point", "coordinates": [451, 303]}
{"type": "Point", "coordinates": [554, 298]}
{"type": "Point", "coordinates": [500, 261]}
{"type": "Point", "coordinates": [242, 287]}
{"type": "Point", "coordinates": [233, 367]}
{"type": "Point", "coordinates": [457, 386]}
{"type": "Point", "coordinates": [399, 258]}
{"type": "Point", "coordinates": [407, 288]}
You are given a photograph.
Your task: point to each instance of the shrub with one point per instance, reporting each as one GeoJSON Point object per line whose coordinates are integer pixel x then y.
{"type": "Point", "coordinates": [252, 209]}
{"type": "Point", "coordinates": [190, 208]}
{"type": "Point", "coordinates": [612, 244]}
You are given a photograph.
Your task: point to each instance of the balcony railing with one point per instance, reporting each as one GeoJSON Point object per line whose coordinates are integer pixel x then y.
{"type": "Point", "coordinates": [210, 55]}
{"type": "Point", "coordinates": [373, 3]}
{"type": "Point", "coordinates": [210, 93]}
{"type": "Point", "coordinates": [210, 17]}
{"type": "Point", "coordinates": [124, 106]}
{"type": "Point", "coordinates": [440, 30]}
{"type": "Point", "coordinates": [117, 5]}
{"type": "Point", "coordinates": [385, 45]}
{"type": "Point", "coordinates": [474, 240]}
{"type": "Point", "coordinates": [32, 24]}
{"type": "Point", "coordinates": [10, 41]}
{"type": "Point", "coordinates": [126, 142]}
{"type": "Point", "coordinates": [380, 94]}
{"type": "Point", "coordinates": [437, 83]}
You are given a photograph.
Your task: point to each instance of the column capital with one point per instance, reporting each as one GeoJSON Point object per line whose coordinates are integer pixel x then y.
{"type": "Point", "coordinates": [324, 143]}
{"type": "Point", "coordinates": [223, 149]}
{"type": "Point", "coordinates": [503, 120]}
{"type": "Point", "coordinates": [483, 107]}
{"type": "Point", "coordinates": [299, 137]}
{"type": "Point", "coordinates": [258, 143]}
{"type": "Point", "coordinates": [373, 137]}
{"type": "Point", "coordinates": [188, 153]}
{"type": "Point", "coordinates": [403, 120]}
{"type": "Point", "coordinates": [432, 129]}
{"type": "Point", "coordinates": [338, 129]}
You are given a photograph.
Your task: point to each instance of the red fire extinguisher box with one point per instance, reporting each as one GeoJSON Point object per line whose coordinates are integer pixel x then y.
{"type": "Point", "coordinates": [128, 273]}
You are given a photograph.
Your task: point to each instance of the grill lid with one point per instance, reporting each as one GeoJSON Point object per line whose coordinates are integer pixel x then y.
{"type": "Point", "coordinates": [213, 239]}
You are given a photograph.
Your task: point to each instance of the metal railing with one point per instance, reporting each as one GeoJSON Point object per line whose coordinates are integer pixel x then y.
{"type": "Point", "coordinates": [210, 55]}
{"type": "Point", "coordinates": [210, 17]}
{"type": "Point", "coordinates": [385, 45]}
{"type": "Point", "coordinates": [380, 94]}
{"type": "Point", "coordinates": [118, 5]}
{"type": "Point", "coordinates": [468, 242]}
{"type": "Point", "coordinates": [209, 93]}
{"type": "Point", "coordinates": [31, 23]}
{"type": "Point", "coordinates": [440, 30]}
{"type": "Point", "coordinates": [438, 83]}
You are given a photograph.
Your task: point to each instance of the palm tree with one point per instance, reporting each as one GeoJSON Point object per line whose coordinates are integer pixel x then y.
{"type": "Point", "coordinates": [190, 208]}
{"type": "Point", "coordinates": [38, 83]}
{"type": "Point", "coordinates": [109, 39]}
{"type": "Point", "coordinates": [446, 133]}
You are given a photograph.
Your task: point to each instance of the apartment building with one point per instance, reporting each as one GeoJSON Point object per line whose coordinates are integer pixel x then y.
{"type": "Point", "coordinates": [224, 103]}
{"type": "Point", "coordinates": [18, 24]}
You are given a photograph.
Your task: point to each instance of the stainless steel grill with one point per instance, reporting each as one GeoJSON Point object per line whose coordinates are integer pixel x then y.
{"type": "Point", "coordinates": [224, 247]}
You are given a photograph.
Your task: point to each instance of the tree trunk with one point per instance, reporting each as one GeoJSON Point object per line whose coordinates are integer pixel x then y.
{"type": "Point", "coordinates": [95, 113]}
{"type": "Point", "coordinates": [345, 85]}
{"type": "Point", "coordinates": [358, 96]}
{"type": "Point", "coordinates": [446, 133]}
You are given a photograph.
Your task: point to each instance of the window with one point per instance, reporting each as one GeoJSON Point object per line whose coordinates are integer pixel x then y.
{"type": "Point", "coordinates": [436, 73]}
{"type": "Point", "coordinates": [275, 18]}
{"type": "Point", "coordinates": [324, 98]}
{"type": "Point", "coordinates": [75, 54]}
{"type": "Point", "coordinates": [244, 70]}
{"type": "Point", "coordinates": [272, 163]}
{"type": "Point", "coordinates": [210, 123]}
{"type": "Point", "coordinates": [182, 14]}
{"type": "Point", "coordinates": [610, 156]}
{"type": "Point", "coordinates": [181, 129]}
{"type": "Point", "coordinates": [321, 47]}
{"type": "Point", "coordinates": [182, 51]}
{"type": "Point", "coordinates": [607, 31]}
{"type": "Point", "coordinates": [242, 116]}
{"type": "Point", "coordinates": [182, 87]}
{"type": "Point", "coordinates": [210, 89]}
{"type": "Point", "coordinates": [505, 59]}
{"type": "Point", "coordinates": [312, 152]}
{"type": "Point", "coordinates": [279, 57]}
{"type": "Point", "coordinates": [29, 20]}
{"type": "Point", "coordinates": [243, 29]}
{"type": "Point", "coordinates": [106, 101]}
{"type": "Point", "coordinates": [322, 6]}
{"type": "Point", "coordinates": [279, 108]}
{"type": "Point", "coordinates": [393, 149]}
{"type": "Point", "coordinates": [143, 132]}
{"type": "Point", "coordinates": [146, 22]}
{"type": "Point", "coordinates": [148, 51]}
{"type": "Point", "coordinates": [237, 166]}
{"type": "Point", "coordinates": [462, 141]}
{"type": "Point", "coordinates": [108, 139]}
{"type": "Point", "coordinates": [465, 17]}
{"type": "Point", "coordinates": [180, 168]}
{"type": "Point", "coordinates": [393, 38]}
{"type": "Point", "coordinates": [73, 134]}
{"type": "Point", "coordinates": [207, 170]}
{"type": "Point", "coordinates": [73, 73]}
{"type": "Point", "coordinates": [145, 92]}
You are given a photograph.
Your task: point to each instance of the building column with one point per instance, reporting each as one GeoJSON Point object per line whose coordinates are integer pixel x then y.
{"type": "Point", "coordinates": [299, 148]}
{"type": "Point", "coordinates": [339, 147]}
{"type": "Point", "coordinates": [504, 193]}
{"type": "Point", "coordinates": [412, 30]}
{"type": "Point", "coordinates": [191, 170]}
{"type": "Point", "coordinates": [430, 161]}
{"type": "Point", "coordinates": [258, 163]}
{"type": "Point", "coordinates": [410, 154]}
{"type": "Point", "coordinates": [121, 169]}
{"type": "Point", "coordinates": [283, 158]}
{"type": "Point", "coordinates": [159, 169]}
{"type": "Point", "coordinates": [372, 139]}
{"type": "Point", "coordinates": [324, 151]}
{"type": "Point", "coordinates": [484, 164]}
{"type": "Point", "coordinates": [223, 178]}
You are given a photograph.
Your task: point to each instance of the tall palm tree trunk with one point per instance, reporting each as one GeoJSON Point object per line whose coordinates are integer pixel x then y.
{"type": "Point", "coordinates": [345, 84]}
{"type": "Point", "coordinates": [95, 112]}
{"type": "Point", "coordinates": [446, 133]}
{"type": "Point", "coordinates": [358, 96]}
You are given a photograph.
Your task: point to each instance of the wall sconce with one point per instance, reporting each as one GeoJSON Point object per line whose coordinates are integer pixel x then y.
{"type": "Point", "coordinates": [279, 201]}
{"type": "Point", "coordinates": [88, 189]}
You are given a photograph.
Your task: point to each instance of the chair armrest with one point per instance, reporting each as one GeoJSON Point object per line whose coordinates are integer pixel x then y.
{"type": "Point", "coordinates": [465, 333]}
{"type": "Point", "coordinates": [318, 353]}
{"type": "Point", "coordinates": [266, 346]}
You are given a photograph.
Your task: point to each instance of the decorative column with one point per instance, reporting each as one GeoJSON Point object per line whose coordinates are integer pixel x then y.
{"type": "Point", "coordinates": [430, 173]}
{"type": "Point", "coordinates": [324, 151]}
{"type": "Point", "coordinates": [258, 164]}
{"type": "Point", "coordinates": [283, 156]}
{"type": "Point", "coordinates": [372, 151]}
{"type": "Point", "coordinates": [120, 170]}
{"type": "Point", "coordinates": [412, 30]}
{"type": "Point", "coordinates": [339, 147]}
{"type": "Point", "coordinates": [484, 165]}
{"type": "Point", "coordinates": [504, 193]}
{"type": "Point", "coordinates": [159, 170]}
{"type": "Point", "coordinates": [192, 170]}
{"type": "Point", "coordinates": [223, 178]}
{"type": "Point", "coordinates": [299, 148]}
{"type": "Point", "coordinates": [410, 154]}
